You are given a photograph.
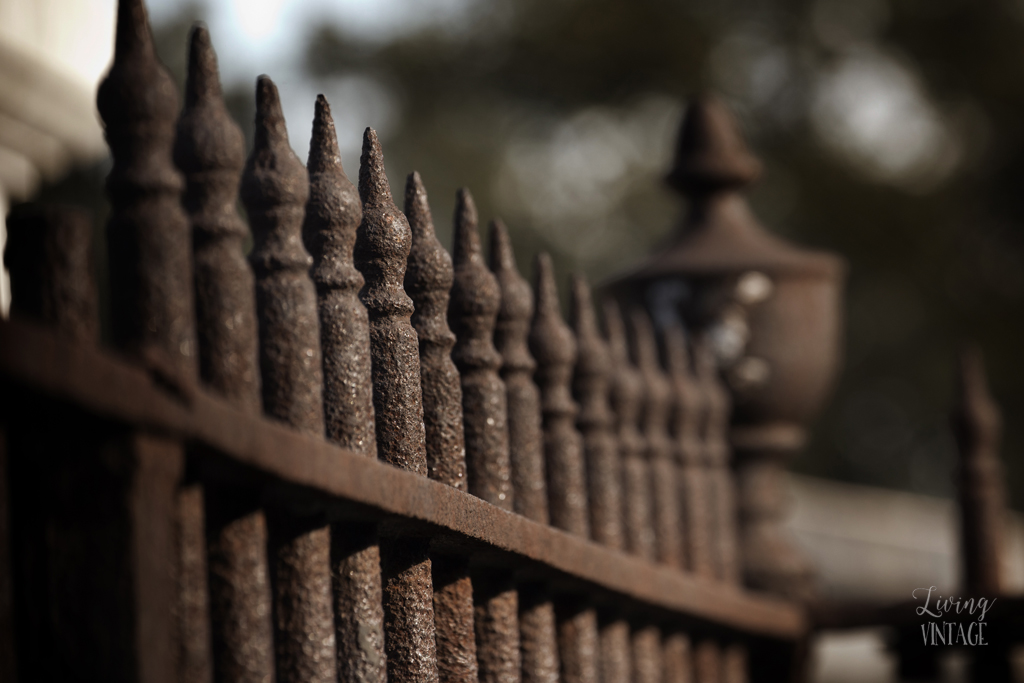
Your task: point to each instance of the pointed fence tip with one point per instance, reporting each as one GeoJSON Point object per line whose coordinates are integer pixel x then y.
{"type": "Point", "coordinates": [203, 82]}
{"type": "Point", "coordinates": [503, 257]}
{"type": "Point", "coordinates": [466, 241]}
{"type": "Point", "coordinates": [545, 287]}
{"type": "Point", "coordinates": [323, 144]}
{"type": "Point", "coordinates": [373, 179]}
{"type": "Point", "coordinates": [132, 34]}
{"type": "Point", "coordinates": [583, 318]}
{"type": "Point", "coordinates": [417, 207]}
{"type": "Point", "coordinates": [711, 152]}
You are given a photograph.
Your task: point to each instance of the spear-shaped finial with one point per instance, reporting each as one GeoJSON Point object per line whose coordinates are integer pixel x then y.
{"type": "Point", "coordinates": [657, 404]}
{"type": "Point", "coordinates": [554, 346]}
{"type": "Point", "coordinates": [595, 421]}
{"type": "Point", "coordinates": [626, 399]}
{"type": "Point", "coordinates": [203, 82]}
{"type": "Point", "coordinates": [333, 213]}
{"type": "Point", "coordinates": [428, 280]}
{"type": "Point", "coordinates": [526, 440]}
{"type": "Point", "coordinates": [472, 314]}
{"type": "Point", "coordinates": [373, 180]}
{"type": "Point", "coordinates": [148, 234]}
{"type": "Point", "coordinates": [711, 153]}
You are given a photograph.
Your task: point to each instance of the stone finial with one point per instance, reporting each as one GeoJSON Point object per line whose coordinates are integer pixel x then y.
{"type": "Point", "coordinates": [274, 190]}
{"type": "Point", "coordinates": [977, 425]}
{"type": "Point", "coordinates": [210, 150]}
{"type": "Point", "coordinates": [148, 232]}
{"type": "Point", "coordinates": [428, 280]}
{"type": "Point", "coordinates": [333, 213]}
{"type": "Point", "coordinates": [595, 421]}
{"type": "Point", "coordinates": [472, 314]}
{"type": "Point", "coordinates": [724, 535]}
{"type": "Point", "coordinates": [526, 439]}
{"type": "Point", "coordinates": [626, 399]}
{"type": "Point", "coordinates": [687, 416]}
{"type": "Point", "coordinates": [554, 346]}
{"type": "Point", "coordinates": [382, 248]}
{"type": "Point", "coordinates": [657, 405]}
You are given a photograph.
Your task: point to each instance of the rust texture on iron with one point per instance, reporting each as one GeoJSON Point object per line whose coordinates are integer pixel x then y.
{"type": "Point", "coordinates": [275, 189]}
{"type": "Point", "coordinates": [525, 435]}
{"type": "Point", "coordinates": [538, 635]}
{"type": "Point", "coordinates": [626, 399]}
{"type": "Point", "coordinates": [428, 280]}
{"type": "Point", "coordinates": [358, 606]}
{"type": "Point", "coordinates": [150, 251]}
{"type": "Point", "coordinates": [49, 257]}
{"type": "Point", "coordinates": [724, 536]}
{"type": "Point", "coordinates": [382, 247]}
{"type": "Point", "coordinates": [707, 662]}
{"type": "Point", "coordinates": [303, 615]}
{"type": "Point", "coordinates": [408, 611]}
{"type": "Point", "coordinates": [657, 406]}
{"type": "Point", "coordinates": [734, 663]}
{"type": "Point", "coordinates": [195, 656]}
{"type": "Point", "coordinates": [977, 425]}
{"type": "Point", "coordinates": [210, 151]}
{"type": "Point", "coordinates": [454, 620]}
{"type": "Point", "coordinates": [333, 214]}
{"type": "Point", "coordinates": [647, 651]}
{"type": "Point", "coordinates": [240, 598]}
{"type": "Point", "coordinates": [497, 627]}
{"type": "Point", "coordinates": [615, 661]}
{"type": "Point", "coordinates": [554, 346]}
{"type": "Point", "coordinates": [472, 314]}
{"type": "Point", "coordinates": [687, 418]}
{"type": "Point", "coordinates": [577, 640]}
{"type": "Point", "coordinates": [595, 420]}
{"type": "Point", "coordinates": [677, 665]}
{"type": "Point", "coordinates": [383, 243]}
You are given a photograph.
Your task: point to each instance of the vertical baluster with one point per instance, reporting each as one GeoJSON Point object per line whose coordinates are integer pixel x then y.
{"type": "Point", "coordinates": [676, 659]}
{"type": "Point", "coordinates": [554, 346]}
{"type": "Point", "coordinates": [626, 398]}
{"type": "Point", "coordinates": [472, 313]}
{"type": "Point", "coordinates": [722, 485]}
{"type": "Point", "coordinates": [274, 189]}
{"type": "Point", "coordinates": [707, 662]}
{"type": "Point", "coordinates": [537, 630]}
{"type": "Point", "coordinates": [647, 664]}
{"type": "Point", "coordinates": [604, 468]}
{"type": "Point", "coordinates": [49, 257]}
{"type": "Point", "coordinates": [590, 389]}
{"type": "Point", "coordinates": [148, 233]}
{"type": "Point", "coordinates": [383, 242]}
{"type": "Point", "coordinates": [428, 279]}
{"type": "Point", "coordinates": [615, 661]}
{"type": "Point", "coordinates": [333, 214]}
{"type": "Point", "coordinates": [688, 412]}
{"type": "Point", "coordinates": [977, 426]}
{"type": "Point", "coordinates": [210, 151]}
{"type": "Point", "coordinates": [151, 274]}
{"type": "Point", "coordinates": [657, 395]}
{"type": "Point", "coordinates": [526, 440]}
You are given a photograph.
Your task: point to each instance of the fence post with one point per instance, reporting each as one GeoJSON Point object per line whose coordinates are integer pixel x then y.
{"type": "Point", "coordinates": [333, 214]}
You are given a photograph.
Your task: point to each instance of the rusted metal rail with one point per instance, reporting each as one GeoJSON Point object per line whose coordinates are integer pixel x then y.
{"type": "Point", "coordinates": [358, 458]}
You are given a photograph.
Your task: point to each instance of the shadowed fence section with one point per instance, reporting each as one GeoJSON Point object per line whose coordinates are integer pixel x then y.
{"type": "Point", "coordinates": [379, 462]}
